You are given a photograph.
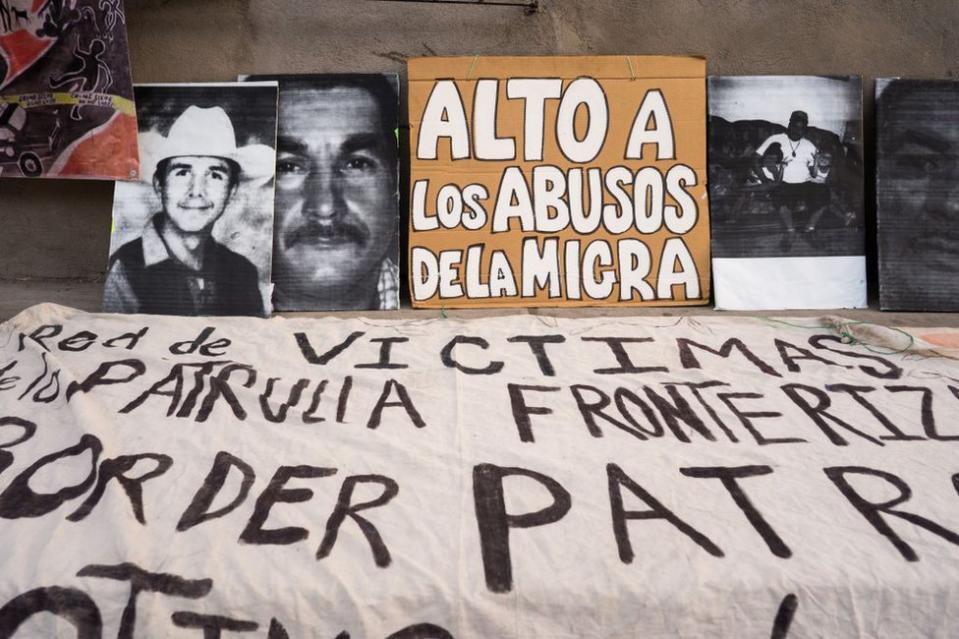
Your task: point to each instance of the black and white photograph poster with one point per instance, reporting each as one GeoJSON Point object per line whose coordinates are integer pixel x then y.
{"type": "Point", "coordinates": [336, 235]}
{"type": "Point", "coordinates": [786, 192]}
{"type": "Point", "coordinates": [194, 235]}
{"type": "Point", "coordinates": [917, 190]}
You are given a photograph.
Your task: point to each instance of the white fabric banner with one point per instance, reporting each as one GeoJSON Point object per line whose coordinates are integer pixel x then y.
{"type": "Point", "coordinates": [509, 477]}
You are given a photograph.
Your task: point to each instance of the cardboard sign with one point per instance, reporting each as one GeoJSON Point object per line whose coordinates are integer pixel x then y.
{"type": "Point", "coordinates": [194, 235]}
{"type": "Point", "coordinates": [917, 124]}
{"type": "Point", "coordinates": [507, 477]}
{"type": "Point", "coordinates": [66, 99]}
{"type": "Point", "coordinates": [786, 187]}
{"type": "Point", "coordinates": [558, 181]}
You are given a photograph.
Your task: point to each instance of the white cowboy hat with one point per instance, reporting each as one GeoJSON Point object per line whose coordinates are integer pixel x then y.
{"type": "Point", "coordinates": [205, 132]}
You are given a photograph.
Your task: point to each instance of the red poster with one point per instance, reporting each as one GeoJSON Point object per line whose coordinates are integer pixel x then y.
{"type": "Point", "coordinates": [66, 97]}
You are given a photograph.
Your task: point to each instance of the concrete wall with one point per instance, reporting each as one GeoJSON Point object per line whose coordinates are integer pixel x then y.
{"type": "Point", "coordinates": [60, 229]}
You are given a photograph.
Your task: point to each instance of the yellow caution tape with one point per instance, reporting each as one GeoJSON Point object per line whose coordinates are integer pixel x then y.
{"type": "Point", "coordinates": [83, 98]}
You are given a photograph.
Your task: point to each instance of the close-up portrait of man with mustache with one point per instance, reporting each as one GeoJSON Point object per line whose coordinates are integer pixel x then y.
{"type": "Point", "coordinates": [337, 211]}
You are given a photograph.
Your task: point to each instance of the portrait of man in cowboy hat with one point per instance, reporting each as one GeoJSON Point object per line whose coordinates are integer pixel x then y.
{"type": "Point", "coordinates": [176, 265]}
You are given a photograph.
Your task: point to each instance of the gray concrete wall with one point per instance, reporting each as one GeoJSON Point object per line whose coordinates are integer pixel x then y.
{"type": "Point", "coordinates": [60, 229]}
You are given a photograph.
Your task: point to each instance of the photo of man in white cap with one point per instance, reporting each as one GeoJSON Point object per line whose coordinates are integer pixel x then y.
{"type": "Point", "coordinates": [176, 266]}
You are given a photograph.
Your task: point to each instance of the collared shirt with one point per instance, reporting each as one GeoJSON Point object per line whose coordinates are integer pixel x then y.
{"type": "Point", "coordinates": [388, 287]}
{"type": "Point", "coordinates": [145, 277]}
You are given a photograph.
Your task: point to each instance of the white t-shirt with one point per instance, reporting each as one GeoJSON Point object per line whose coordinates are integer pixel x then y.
{"type": "Point", "coordinates": [797, 157]}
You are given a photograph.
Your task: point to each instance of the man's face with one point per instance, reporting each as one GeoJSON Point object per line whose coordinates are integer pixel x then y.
{"type": "Point", "coordinates": [195, 191]}
{"type": "Point", "coordinates": [918, 186]}
{"type": "Point", "coordinates": [797, 128]}
{"type": "Point", "coordinates": [335, 194]}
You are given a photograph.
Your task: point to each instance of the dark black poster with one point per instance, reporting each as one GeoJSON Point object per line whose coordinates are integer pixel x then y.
{"type": "Point", "coordinates": [917, 188]}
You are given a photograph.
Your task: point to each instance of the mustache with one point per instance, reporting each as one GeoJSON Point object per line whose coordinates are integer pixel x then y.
{"type": "Point", "coordinates": [340, 229]}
